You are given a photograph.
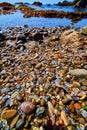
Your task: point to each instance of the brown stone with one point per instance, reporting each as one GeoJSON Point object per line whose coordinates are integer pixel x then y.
{"type": "Point", "coordinates": [8, 113]}
{"type": "Point", "coordinates": [38, 65]}
{"type": "Point", "coordinates": [71, 37]}
{"type": "Point", "coordinates": [56, 56]}
{"type": "Point", "coordinates": [14, 121]}
{"type": "Point", "coordinates": [75, 84]}
{"type": "Point", "coordinates": [77, 106]}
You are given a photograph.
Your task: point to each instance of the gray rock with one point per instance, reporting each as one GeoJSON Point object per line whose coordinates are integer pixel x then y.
{"type": "Point", "coordinates": [83, 113]}
{"type": "Point", "coordinates": [20, 124]}
{"type": "Point", "coordinates": [3, 72]}
{"type": "Point", "coordinates": [1, 44]}
{"type": "Point", "coordinates": [38, 36]}
{"type": "Point", "coordinates": [85, 127]}
{"type": "Point", "coordinates": [40, 111]}
{"type": "Point", "coordinates": [80, 3]}
{"type": "Point", "coordinates": [2, 37]}
{"type": "Point", "coordinates": [21, 47]}
{"type": "Point", "coordinates": [78, 72]}
{"type": "Point", "coordinates": [21, 37]}
{"type": "Point", "coordinates": [85, 67]}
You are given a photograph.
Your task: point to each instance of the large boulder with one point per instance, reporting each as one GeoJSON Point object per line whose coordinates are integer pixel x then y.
{"type": "Point", "coordinates": [71, 38]}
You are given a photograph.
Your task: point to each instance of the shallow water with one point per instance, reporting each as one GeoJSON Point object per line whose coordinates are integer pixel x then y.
{"type": "Point", "coordinates": [17, 17]}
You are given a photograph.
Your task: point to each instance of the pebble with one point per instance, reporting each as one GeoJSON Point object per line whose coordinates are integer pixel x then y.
{"type": "Point", "coordinates": [78, 72]}
{"type": "Point", "coordinates": [64, 118]}
{"type": "Point", "coordinates": [38, 65]}
{"type": "Point", "coordinates": [75, 84]}
{"type": "Point", "coordinates": [14, 121]}
{"type": "Point", "coordinates": [40, 112]}
{"type": "Point", "coordinates": [27, 107]}
{"type": "Point", "coordinates": [77, 106]}
{"type": "Point", "coordinates": [84, 30]}
{"type": "Point", "coordinates": [84, 113]}
{"type": "Point", "coordinates": [6, 114]}
{"type": "Point", "coordinates": [21, 37]}
{"type": "Point", "coordinates": [42, 80]}
{"type": "Point", "coordinates": [20, 124]}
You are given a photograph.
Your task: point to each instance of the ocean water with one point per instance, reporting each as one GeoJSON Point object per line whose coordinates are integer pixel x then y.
{"type": "Point", "coordinates": [31, 1]}
{"type": "Point", "coordinates": [17, 19]}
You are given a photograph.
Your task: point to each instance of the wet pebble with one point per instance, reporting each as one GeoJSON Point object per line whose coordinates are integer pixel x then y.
{"type": "Point", "coordinates": [20, 124]}
{"type": "Point", "coordinates": [27, 107]}
{"type": "Point", "coordinates": [40, 112]}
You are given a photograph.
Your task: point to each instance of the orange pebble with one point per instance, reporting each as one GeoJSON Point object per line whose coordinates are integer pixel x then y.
{"type": "Point", "coordinates": [61, 122]}
{"type": "Point", "coordinates": [77, 106]}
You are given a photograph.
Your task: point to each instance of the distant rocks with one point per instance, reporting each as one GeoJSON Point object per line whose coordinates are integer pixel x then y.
{"type": "Point", "coordinates": [80, 3]}
{"type": "Point", "coordinates": [64, 3]}
{"type": "Point", "coordinates": [37, 3]}
{"type": "Point", "coordinates": [7, 6]}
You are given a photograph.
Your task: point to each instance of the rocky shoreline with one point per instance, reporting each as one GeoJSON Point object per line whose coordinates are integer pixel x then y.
{"type": "Point", "coordinates": [7, 8]}
{"type": "Point", "coordinates": [43, 78]}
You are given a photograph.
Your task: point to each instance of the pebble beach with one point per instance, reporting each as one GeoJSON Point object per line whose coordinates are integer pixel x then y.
{"type": "Point", "coordinates": [43, 78]}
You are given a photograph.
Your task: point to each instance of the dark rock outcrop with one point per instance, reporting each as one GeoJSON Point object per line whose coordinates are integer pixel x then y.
{"type": "Point", "coordinates": [37, 3]}
{"type": "Point", "coordinates": [80, 3]}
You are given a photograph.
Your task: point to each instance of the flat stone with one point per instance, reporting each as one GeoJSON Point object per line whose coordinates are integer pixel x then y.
{"type": "Point", "coordinates": [14, 121]}
{"type": "Point", "coordinates": [78, 72]}
{"type": "Point", "coordinates": [8, 113]}
{"type": "Point", "coordinates": [38, 65]}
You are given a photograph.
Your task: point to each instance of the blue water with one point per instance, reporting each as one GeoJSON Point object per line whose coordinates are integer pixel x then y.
{"type": "Point", "coordinates": [31, 1]}
{"type": "Point", "coordinates": [17, 19]}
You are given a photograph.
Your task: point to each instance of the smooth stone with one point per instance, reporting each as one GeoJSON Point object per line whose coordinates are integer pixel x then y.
{"type": "Point", "coordinates": [38, 36]}
{"type": "Point", "coordinates": [2, 37]}
{"type": "Point", "coordinates": [35, 128]}
{"type": "Point", "coordinates": [64, 118]}
{"type": "Point", "coordinates": [84, 30]}
{"type": "Point", "coordinates": [21, 47]}
{"type": "Point", "coordinates": [77, 106]}
{"type": "Point", "coordinates": [20, 124]}
{"type": "Point", "coordinates": [38, 65]}
{"type": "Point", "coordinates": [21, 37]}
{"type": "Point", "coordinates": [8, 113]}
{"type": "Point", "coordinates": [27, 107]}
{"type": "Point", "coordinates": [14, 121]}
{"type": "Point", "coordinates": [78, 72]}
{"type": "Point", "coordinates": [19, 42]}
{"type": "Point", "coordinates": [3, 72]}
{"type": "Point", "coordinates": [1, 44]}
{"type": "Point", "coordinates": [83, 113]}
{"type": "Point", "coordinates": [85, 67]}
{"type": "Point", "coordinates": [75, 84]}
{"type": "Point", "coordinates": [71, 37]}
{"type": "Point", "coordinates": [40, 111]}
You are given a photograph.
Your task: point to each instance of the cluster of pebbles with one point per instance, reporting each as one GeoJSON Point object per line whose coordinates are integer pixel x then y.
{"type": "Point", "coordinates": [43, 82]}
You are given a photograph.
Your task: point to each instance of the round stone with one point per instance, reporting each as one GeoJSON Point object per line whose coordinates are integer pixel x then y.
{"type": "Point", "coordinates": [27, 107]}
